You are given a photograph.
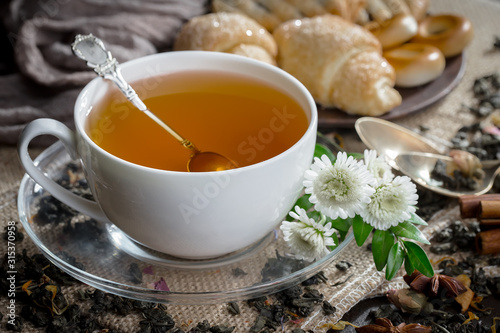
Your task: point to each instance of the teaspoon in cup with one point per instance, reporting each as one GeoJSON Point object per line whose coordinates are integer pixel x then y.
{"type": "Point", "coordinates": [92, 50]}
{"type": "Point", "coordinates": [418, 166]}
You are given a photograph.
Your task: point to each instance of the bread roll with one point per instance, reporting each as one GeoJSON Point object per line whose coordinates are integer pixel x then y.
{"type": "Point", "coordinates": [271, 13]}
{"type": "Point", "coordinates": [399, 29]}
{"type": "Point", "coordinates": [339, 62]}
{"type": "Point", "coordinates": [449, 33]}
{"type": "Point", "coordinates": [418, 8]}
{"type": "Point", "coordinates": [415, 64]}
{"type": "Point", "coordinates": [350, 10]}
{"type": "Point", "coordinates": [383, 10]}
{"type": "Point", "coordinates": [230, 33]}
{"type": "Point", "coordinates": [252, 9]}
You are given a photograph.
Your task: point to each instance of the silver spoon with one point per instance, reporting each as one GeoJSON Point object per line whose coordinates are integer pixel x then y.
{"type": "Point", "coordinates": [391, 140]}
{"type": "Point", "coordinates": [92, 50]}
{"type": "Point", "coordinates": [418, 166]}
{"type": "Point", "coordinates": [415, 155]}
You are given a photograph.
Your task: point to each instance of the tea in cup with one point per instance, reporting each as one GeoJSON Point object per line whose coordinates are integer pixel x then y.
{"type": "Point", "coordinates": [253, 113]}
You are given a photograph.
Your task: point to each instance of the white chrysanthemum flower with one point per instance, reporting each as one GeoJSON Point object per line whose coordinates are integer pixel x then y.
{"type": "Point", "coordinates": [339, 190]}
{"type": "Point", "coordinates": [307, 238]}
{"type": "Point", "coordinates": [391, 204]}
{"type": "Point", "coordinates": [378, 167]}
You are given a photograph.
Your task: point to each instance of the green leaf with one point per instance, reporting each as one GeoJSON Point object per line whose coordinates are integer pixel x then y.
{"type": "Point", "coordinates": [302, 202]}
{"type": "Point", "coordinates": [315, 215]}
{"type": "Point", "coordinates": [418, 258]}
{"type": "Point", "coordinates": [361, 230]}
{"type": "Point", "coordinates": [342, 235]}
{"type": "Point", "coordinates": [321, 150]}
{"type": "Point", "coordinates": [341, 224]}
{"type": "Point", "coordinates": [408, 230]}
{"type": "Point", "coordinates": [415, 219]}
{"type": "Point", "coordinates": [408, 266]}
{"type": "Point", "coordinates": [382, 242]}
{"type": "Point", "coordinates": [335, 240]}
{"type": "Point", "coordinates": [357, 156]}
{"type": "Point", "coordinates": [394, 260]}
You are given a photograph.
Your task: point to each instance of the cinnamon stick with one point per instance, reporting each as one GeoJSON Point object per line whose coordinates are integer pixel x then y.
{"type": "Point", "coordinates": [489, 209]}
{"type": "Point", "coordinates": [470, 204]}
{"type": "Point", "coordinates": [488, 242]}
{"type": "Point", "coordinates": [489, 222]}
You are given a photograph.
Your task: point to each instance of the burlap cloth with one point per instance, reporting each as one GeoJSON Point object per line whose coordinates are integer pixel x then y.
{"type": "Point", "coordinates": [443, 119]}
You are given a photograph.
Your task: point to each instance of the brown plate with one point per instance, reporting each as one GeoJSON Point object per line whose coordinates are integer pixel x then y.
{"type": "Point", "coordinates": [414, 99]}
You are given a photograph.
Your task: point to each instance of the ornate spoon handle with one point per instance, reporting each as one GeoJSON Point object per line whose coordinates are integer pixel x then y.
{"type": "Point", "coordinates": [92, 50]}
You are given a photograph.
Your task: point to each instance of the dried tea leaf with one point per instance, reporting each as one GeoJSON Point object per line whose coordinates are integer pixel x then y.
{"type": "Point", "coordinates": [339, 326]}
{"type": "Point", "coordinates": [472, 316]}
{"type": "Point", "coordinates": [465, 299]}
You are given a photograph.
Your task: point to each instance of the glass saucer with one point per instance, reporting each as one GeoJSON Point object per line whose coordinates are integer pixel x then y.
{"type": "Point", "coordinates": [103, 257]}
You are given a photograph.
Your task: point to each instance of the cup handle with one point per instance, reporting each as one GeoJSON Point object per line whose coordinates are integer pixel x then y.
{"type": "Point", "coordinates": [62, 132]}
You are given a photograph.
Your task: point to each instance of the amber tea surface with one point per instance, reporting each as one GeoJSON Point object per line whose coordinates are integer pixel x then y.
{"type": "Point", "coordinates": [241, 118]}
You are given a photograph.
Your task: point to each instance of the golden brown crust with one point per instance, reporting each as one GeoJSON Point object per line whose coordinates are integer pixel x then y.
{"type": "Point", "coordinates": [418, 8]}
{"type": "Point", "coordinates": [383, 10]}
{"type": "Point", "coordinates": [366, 86]}
{"type": "Point", "coordinates": [282, 9]}
{"type": "Point", "coordinates": [378, 10]}
{"type": "Point", "coordinates": [227, 32]}
{"type": "Point", "coordinates": [250, 8]}
{"type": "Point", "coordinates": [449, 33]}
{"type": "Point", "coordinates": [339, 62]}
{"type": "Point", "coordinates": [415, 64]}
{"type": "Point", "coordinates": [309, 8]}
{"type": "Point", "coordinates": [399, 29]}
{"type": "Point", "coordinates": [271, 13]}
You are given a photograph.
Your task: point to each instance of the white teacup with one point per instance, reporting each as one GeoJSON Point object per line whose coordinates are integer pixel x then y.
{"type": "Point", "coordinates": [189, 215]}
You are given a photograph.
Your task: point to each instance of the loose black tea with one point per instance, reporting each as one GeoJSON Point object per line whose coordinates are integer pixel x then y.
{"type": "Point", "coordinates": [456, 236]}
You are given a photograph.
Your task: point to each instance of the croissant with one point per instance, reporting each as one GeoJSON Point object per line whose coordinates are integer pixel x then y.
{"type": "Point", "coordinates": [383, 10]}
{"type": "Point", "coordinates": [271, 13]}
{"type": "Point", "coordinates": [339, 62]}
{"type": "Point", "coordinates": [230, 33]}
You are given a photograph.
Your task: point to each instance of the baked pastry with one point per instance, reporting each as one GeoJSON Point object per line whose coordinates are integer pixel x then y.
{"type": "Point", "coordinates": [396, 31]}
{"type": "Point", "coordinates": [449, 33]}
{"type": "Point", "coordinates": [230, 33]}
{"type": "Point", "coordinates": [339, 62]}
{"type": "Point", "coordinates": [271, 13]}
{"type": "Point", "coordinates": [383, 10]}
{"type": "Point", "coordinates": [415, 64]}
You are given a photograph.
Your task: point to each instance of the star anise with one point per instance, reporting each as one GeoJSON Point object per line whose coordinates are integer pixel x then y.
{"type": "Point", "coordinates": [430, 286]}
{"type": "Point", "coordinates": [385, 325]}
